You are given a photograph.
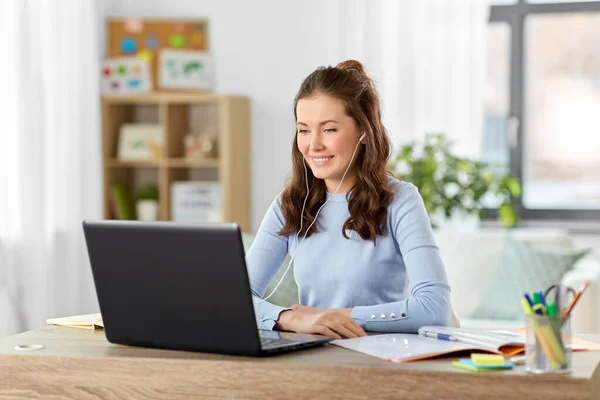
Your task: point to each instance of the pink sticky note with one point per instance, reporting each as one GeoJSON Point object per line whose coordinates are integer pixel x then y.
{"type": "Point", "coordinates": [134, 25]}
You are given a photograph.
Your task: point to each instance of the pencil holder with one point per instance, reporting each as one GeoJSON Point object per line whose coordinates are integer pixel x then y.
{"type": "Point", "coordinates": [548, 344]}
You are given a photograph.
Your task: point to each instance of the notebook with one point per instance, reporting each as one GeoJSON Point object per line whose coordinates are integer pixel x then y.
{"type": "Point", "coordinates": [404, 347]}
{"type": "Point", "coordinates": [87, 321]}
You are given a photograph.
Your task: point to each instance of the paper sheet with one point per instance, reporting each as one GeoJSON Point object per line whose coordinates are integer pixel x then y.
{"type": "Point", "coordinates": [86, 321]}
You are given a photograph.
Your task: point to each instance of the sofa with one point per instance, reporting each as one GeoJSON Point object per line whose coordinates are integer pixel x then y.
{"type": "Point", "coordinates": [471, 258]}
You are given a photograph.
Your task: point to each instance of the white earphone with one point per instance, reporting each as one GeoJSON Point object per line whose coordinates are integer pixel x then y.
{"type": "Point", "coordinates": [316, 215]}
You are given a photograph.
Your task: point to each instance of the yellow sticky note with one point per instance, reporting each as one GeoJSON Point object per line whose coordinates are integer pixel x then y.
{"type": "Point", "coordinates": [487, 359]}
{"type": "Point", "coordinates": [145, 54]}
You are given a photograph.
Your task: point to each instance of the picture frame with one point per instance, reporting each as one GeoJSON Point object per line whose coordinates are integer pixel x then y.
{"type": "Point", "coordinates": [185, 69]}
{"type": "Point", "coordinates": [140, 142]}
{"type": "Point", "coordinates": [125, 75]}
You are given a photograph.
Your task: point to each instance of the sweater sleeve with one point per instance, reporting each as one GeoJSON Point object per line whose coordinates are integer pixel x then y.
{"type": "Point", "coordinates": [430, 293]}
{"type": "Point", "coordinates": [263, 259]}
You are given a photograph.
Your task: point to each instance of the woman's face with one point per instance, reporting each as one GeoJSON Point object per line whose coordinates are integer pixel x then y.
{"type": "Point", "coordinates": [327, 138]}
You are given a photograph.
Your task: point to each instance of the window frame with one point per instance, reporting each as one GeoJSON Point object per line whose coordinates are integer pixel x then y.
{"type": "Point", "coordinates": [514, 16]}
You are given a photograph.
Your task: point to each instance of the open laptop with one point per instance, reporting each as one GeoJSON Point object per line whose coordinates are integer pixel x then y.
{"type": "Point", "coordinates": [179, 286]}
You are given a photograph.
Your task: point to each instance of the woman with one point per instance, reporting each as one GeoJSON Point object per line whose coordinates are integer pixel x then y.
{"type": "Point", "coordinates": [357, 235]}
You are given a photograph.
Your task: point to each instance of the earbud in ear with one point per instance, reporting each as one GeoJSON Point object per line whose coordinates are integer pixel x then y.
{"type": "Point", "coordinates": [362, 137]}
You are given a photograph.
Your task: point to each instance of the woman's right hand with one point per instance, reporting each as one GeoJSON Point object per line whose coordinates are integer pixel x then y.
{"type": "Point", "coordinates": [328, 323]}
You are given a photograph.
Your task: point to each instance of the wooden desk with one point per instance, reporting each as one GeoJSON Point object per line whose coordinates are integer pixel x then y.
{"type": "Point", "coordinates": [80, 364]}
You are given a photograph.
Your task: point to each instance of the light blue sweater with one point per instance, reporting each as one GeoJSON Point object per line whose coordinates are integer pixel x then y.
{"type": "Point", "coordinates": [333, 272]}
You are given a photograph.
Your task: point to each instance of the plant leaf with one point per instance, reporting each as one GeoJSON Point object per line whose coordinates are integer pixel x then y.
{"type": "Point", "coordinates": [507, 215]}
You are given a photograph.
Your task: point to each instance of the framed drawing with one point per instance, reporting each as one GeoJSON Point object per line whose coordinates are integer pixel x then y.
{"type": "Point", "coordinates": [125, 75]}
{"type": "Point", "coordinates": [140, 142]}
{"type": "Point", "coordinates": [185, 69]}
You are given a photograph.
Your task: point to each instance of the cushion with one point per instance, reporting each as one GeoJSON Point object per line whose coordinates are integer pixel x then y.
{"type": "Point", "coordinates": [522, 268]}
{"type": "Point", "coordinates": [287, 293]}
{"type": "Point", "coordinates": [467, 275]}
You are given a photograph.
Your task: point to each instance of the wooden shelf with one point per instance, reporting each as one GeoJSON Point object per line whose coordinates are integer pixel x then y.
{"type": "Point", "coordinates": [171, 163]}
{"type": "Point", "coordinates": [168, 98]}
{"type": "Point", "coordinates": [192, 163]}
{"type": "Point", "coordinates": [116, 163]}
{"type": "Point", "coordinates": [180, 113]}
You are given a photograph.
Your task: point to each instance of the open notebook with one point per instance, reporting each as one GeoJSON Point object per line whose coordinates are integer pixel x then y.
{"type": "Point", "coordinates": [403, 347]}
{"type": "Point", "coordinates": [87, 321]}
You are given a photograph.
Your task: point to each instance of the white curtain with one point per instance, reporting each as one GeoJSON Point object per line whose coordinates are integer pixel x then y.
{"type": "Point", "coordinates": [50, 177]}
{"type": "Point", "coordinates": [428, 60]}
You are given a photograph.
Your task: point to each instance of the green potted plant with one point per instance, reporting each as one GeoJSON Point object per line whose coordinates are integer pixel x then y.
{"type": "Point", "coordinates": [147, 203]}
{"type": "Point", "coordinates": [453, 185]}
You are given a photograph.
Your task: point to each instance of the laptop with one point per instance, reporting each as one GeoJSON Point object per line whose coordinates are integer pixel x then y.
{"type": "Point", "coordinates": [179, 286]}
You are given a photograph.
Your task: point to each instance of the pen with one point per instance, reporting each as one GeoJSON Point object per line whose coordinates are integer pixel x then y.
{"type": "Point", "coordinates": [440, 336]}
{"type": "Point", "coordinates": [555, 321]}
{"type": "Point", "coordinates": [567, 312]}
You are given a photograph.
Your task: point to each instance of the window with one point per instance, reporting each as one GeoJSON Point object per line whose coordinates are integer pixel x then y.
{"type": "Point", "coordinates": [542, 105]}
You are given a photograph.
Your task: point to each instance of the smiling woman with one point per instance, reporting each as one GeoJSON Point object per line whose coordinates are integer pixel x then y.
{"type": "Point", "coordinates": [373, 236]}
{"type": "Point", "coordinates": [327, 143]}
{"type": "Point", "coordinates": [330, 124]}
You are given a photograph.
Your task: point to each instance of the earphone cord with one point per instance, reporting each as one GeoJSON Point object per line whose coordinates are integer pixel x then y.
{"type": "Point", "coordinates": [302, 217]}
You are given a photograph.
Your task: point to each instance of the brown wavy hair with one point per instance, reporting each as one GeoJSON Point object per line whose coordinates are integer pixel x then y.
{"type": "Point", "coordinates": [370, 196]}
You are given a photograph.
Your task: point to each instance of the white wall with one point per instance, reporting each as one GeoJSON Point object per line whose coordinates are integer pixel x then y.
{"type": "Point", "coordinates": [262, 49]}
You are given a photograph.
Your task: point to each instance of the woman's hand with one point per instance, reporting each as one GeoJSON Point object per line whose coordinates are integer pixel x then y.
{"type": "Point", "coordinates": [313, 310]}
{"type": "Point", "coordinates": [307, 309]}
{"type": "Point", "coordinates": [333, 323]}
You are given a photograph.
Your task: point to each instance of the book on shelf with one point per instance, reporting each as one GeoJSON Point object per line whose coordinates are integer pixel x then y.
{"type": "Point", "coordinates": [122, 200]}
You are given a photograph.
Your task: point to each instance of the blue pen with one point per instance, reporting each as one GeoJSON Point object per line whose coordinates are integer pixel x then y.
{"type": "Point", "coordinates": [529, 300]}
{"type": "Point", "coordinates": [542, 299]}
{"type": "Point", "coordinates": [440, 336]}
